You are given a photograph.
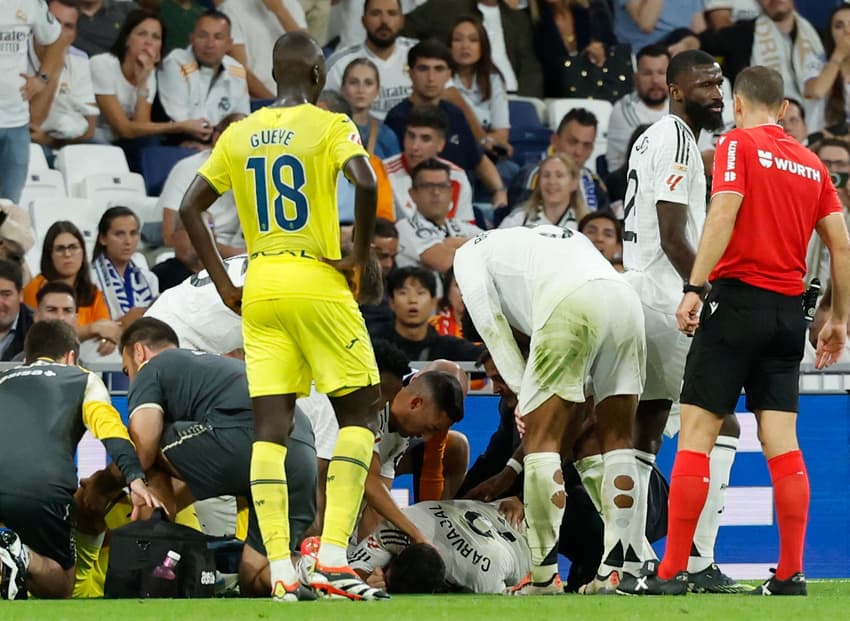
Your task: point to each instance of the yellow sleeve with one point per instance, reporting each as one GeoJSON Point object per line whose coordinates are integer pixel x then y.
{"type": "Point", "coordinates": [344, 141]}
{"type": "Point", "coordinates": [99, 415]}
{"type": "Point", "coordinates": [216, 170]}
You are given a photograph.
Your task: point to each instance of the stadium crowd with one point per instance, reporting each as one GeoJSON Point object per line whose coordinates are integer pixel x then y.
{"type": "Point", "coordinates": [478, 116]}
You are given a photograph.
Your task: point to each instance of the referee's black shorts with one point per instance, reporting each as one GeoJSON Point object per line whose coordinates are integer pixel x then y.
{"type": "Point", "coordinates": [748, 338]}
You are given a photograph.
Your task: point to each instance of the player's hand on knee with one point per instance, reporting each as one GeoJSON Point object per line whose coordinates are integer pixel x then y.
{"type": "Point", "coordinates": [141, 496]}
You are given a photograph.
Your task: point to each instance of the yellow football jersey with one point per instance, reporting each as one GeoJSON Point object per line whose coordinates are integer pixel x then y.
{"type": "Point", "coordinates": [282, 164]}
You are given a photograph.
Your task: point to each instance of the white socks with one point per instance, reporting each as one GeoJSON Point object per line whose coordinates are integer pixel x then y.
{"type": "Point", "coordinates": [721, 459]}
{"type": "Point", "coordinates": [590, 469]}
{"type": "Point", "coordinates": [545, 499]}
{"type": "Point", "coordinates": [623, 513]}
{"type": "Point", "coordinates": [645, 462]}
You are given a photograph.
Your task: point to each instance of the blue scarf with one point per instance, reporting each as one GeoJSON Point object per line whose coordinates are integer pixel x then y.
{"type": "Point", "coordinates": [125, 293]}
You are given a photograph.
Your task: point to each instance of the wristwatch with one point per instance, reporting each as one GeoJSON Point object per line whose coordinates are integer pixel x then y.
{"type": "Point", "coordinates": [698, 289]}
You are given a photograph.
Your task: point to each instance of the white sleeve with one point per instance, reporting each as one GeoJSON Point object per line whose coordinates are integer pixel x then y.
{"type": "Point", "coordinates": [370, 553]}
{"type": "Point", "coordinates": [103, 74]}
{"type": "Point", "coordinates": [333, 80]}
{"type": "Point", "coordinates": [464, 211]}
{"type": "Point", "coordinates": [243, 99]}
{"type": "Point", "coordinates": [482, 302]}
{"type": "Point", "coordinates": [82, 89]}
{"type": "Point", "coordinates": [173, 89]}
{"type": "Point", "coordinates": [672, 167]}
{"type": "Point", "coordinates": [45, 28]}
{"type": "Point", "coordinates": [514, 218]}
{"type": "Point", "coordinates": [618, 137]}
{"type": "Point", "coordinates": [297, 11]}
{"type": "Point", "coordinates": [236, 33]}
{"type": "Point", "coordinates": [813, 65]}
{"type": "Point", "coordinates": [499, 110]}
{"type": "Point", "coordinates": [175, 187]}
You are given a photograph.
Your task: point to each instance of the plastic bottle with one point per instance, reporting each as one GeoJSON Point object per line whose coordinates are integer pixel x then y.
{"type": "Point", "coordinates": [163, 580]}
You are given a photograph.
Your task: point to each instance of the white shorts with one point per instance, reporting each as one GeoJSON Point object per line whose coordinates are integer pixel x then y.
{"type": "Point", "coordinates": [666, 351]}
{"type": "Point", "coordinates": [319, 411]}
{"type": "Point", "coordinates": [596, 331]}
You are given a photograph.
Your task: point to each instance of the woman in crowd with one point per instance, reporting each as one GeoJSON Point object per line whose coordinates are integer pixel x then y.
{"type": "Point", "coordinates": [124, 81]}
{"type": "Point", "coordinates": [360, 87]}
{"type": "Point", "coordinates": [577, 48]}
{"type": "Point", "coordinates": [833, 80]}
{"type": "Point", "coordinates": [480, 84]}
{"type": "Point", "coordinates": [63, 257]}
{"type": "Point", "coordinates": [555, 200]}
{"type": "Point", "coordinates": [128, 285]}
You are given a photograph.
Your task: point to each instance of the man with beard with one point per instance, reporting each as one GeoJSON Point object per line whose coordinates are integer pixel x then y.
{"type": "Point", "coordinates": [645, 105]}
{"type": "Point", "coordinates": [383, 20]}
{"type": "Point", "coordinates": [664, 214]}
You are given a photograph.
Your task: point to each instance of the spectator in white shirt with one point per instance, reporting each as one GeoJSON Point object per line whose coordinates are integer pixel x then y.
{"type": "Point", "coordinates": [646, 104]}
{"type": "Point", "coordinates": [125, 84]}
{"type": "Point", "coordinates": [19, 21]}
{"type": "Point", "coordinates": [556, 199]}
{"type": "Point", "coordinates": [202, 81]}
{"type": "Point", "coordinates": [424, 138]}
{"type": "Point", "coordinates": [257, 24]}
{"type": "Point", "coordinates": [383, 21]}
{"type": "Point", "coordinates": [430, 237]}
{"type": "Point", "coordinates": [480, 84]}
{"type": "Point", "coordinates": [72, 111]}
{"type": "Point", "coordinates": [722, 13]}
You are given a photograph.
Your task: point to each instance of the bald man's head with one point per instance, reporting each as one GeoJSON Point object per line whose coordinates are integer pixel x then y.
{"type": "Point", "coordinates": [299, 64]}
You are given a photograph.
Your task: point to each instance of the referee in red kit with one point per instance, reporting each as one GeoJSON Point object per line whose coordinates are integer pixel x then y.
{"type": "Point", "coordinates": [769, 193]}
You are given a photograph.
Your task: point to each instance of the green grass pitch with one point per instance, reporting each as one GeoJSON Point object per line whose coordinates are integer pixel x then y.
{"type": "Point", "coordinates": [826, 600]}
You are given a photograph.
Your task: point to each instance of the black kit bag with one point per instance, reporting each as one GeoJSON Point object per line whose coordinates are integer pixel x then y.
{"type": "Point", "coordinates": [139, 547]}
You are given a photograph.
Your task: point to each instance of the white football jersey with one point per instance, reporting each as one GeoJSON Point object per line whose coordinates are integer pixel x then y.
{"type": "Point", "coordinates": [482, 552]}
{"type": "Point", "coordinates": [516, 277]}
{"type": "Point", "coordinates": [664, 165]}
{"type": "Point", "coordinates": [196, 313]}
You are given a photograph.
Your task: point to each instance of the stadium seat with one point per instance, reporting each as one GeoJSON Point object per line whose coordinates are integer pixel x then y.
{"type": "Point", "coordinates": [557, 108]}
{"type": "Point", "coordinates": [44, 183]}
{"type": "Point", "coordinates": [157, 162]}
{"type": "Point", "coordinates": [37, 159]}
{"type": "Point", "coordinates": [107, 189]}
{"type": "Point", "coordinates": [256, 104]}
{"type": "Point", "coordinates": [45, 211]}
{"type": "Point", "coordinates": [521, 104]}
{"type": "Point", "coordinates": [78, 161]}
{"type": "Point", "coordinates": [523, 115]}
{"type": "Point", "coordinates": [529, 143]}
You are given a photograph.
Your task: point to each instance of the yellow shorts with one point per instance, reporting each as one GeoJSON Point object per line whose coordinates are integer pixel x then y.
{"type": "Point", "coordinates": [303, 336]}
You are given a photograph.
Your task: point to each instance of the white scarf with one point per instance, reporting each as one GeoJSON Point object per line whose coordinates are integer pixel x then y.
{"type": "Point", "coordinates": [770, 50]}
{"type": "Point", "coordinates": [111, 283]}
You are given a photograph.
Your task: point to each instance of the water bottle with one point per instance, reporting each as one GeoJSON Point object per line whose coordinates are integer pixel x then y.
{"type": "Point", "coordinates": [163, 579]}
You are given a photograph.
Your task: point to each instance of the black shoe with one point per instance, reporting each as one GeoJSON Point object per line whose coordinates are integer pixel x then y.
{"type": "Point", "coordinates": [795, 585]}
{"type": "Point", "coordinates": [712, 580]}
{"type": "Point", "coordinates": [14, 561]}
{"type": "Point", "coordinates": [648, 582]}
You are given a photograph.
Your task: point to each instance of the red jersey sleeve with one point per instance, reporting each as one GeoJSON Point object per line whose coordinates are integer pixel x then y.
{"type": "Point", "coordinates": [729, 170]}
{"type": "Point", "coordinates": [829, 202]}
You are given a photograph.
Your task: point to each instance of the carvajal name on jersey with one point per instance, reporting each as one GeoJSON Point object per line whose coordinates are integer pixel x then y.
{"type": "Point", "coordinates": [272, 136]}
{"type": "Point", "coordinates": [458, 541]}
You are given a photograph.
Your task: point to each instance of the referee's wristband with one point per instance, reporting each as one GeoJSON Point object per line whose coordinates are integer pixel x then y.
{"type": "Point", "coordinates": [514, 465]}
{"type": "Point", "coordinates": [700, 290]}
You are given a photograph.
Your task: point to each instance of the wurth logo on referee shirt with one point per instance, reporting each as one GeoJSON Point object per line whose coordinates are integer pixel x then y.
{"type": "Point", "coordinates": [767, 159]}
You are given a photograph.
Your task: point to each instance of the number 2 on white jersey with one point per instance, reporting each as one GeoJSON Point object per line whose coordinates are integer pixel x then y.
{"type": "Point", "coordinates": [289, 196]}
{"type": "Point", "coordinates": [631, 196]}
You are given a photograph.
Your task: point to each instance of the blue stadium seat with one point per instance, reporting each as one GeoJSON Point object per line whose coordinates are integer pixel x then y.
{"type": "Point", "coordinates": [529, 144]}
{"type": "Point", "coordinates": [523, 115]}
{"type": "Point", "coordinates": [157, 162]}
{"type": "Point", "coordinates": [256, 104]}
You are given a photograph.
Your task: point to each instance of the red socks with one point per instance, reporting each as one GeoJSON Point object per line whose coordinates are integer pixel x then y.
{"type": "Point", "coordinates": [688, 492]}
{"type": "Point", "coordinates": [791, 496]}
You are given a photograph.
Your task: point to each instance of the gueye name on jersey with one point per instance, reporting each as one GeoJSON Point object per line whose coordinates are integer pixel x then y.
{"type": "Point", "coordinates": [458, 542]}
{"type": "Point", "coordinates": [272, 136]}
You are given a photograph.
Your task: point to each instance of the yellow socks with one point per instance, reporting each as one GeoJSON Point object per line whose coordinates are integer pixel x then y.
{"type": "Point", "coordinates": [271, 497]}
{"type": "Point", "coordinates": [346, 479]}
